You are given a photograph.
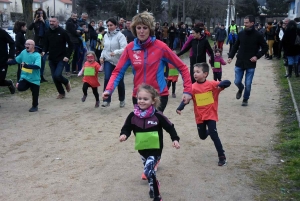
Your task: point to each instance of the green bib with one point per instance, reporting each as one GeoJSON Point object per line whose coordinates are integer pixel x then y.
{"type": "Point", "coordinates": [89, 71]}
{"type": "Point", "coordinates": [173, 72]}
{"type": "Point", "coordinates": [146, 140]}
{"type": "Point", "coordinates": [217, 64]}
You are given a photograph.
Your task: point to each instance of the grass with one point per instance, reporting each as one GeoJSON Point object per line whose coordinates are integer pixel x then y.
{"type": "Point", "coordinates": [282, 182]}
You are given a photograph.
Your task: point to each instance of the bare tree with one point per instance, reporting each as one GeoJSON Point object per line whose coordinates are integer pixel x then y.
{"type": "Point", "coordinates": [28, 15]}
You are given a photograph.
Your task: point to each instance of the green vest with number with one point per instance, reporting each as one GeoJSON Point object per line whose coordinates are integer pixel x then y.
{"type": "Point", "coordinates": [233, 27]}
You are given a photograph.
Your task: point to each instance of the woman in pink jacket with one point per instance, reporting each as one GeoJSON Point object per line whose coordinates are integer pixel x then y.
{"type": "Point", "coordinates": [148, 58]}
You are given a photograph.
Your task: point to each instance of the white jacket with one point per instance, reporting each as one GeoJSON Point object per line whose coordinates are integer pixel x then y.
{"type": "Point", "coordinates": [113, 42]}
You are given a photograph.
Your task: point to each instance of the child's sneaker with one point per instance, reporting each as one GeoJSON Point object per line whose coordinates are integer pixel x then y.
{"type": "Point", "coordinates": [83, 98]}
{"type": "Point", "coordinates": [97, 104]}
{"type": "Point", "coordinates": [144, 177]}
{"type": "Point", "coordinates": [222, 161]}
{"type": "Point", "coordinates": [156, 165]}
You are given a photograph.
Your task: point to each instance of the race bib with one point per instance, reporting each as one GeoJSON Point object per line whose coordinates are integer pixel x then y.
{"type": "Point", "coordinates": [217, 64]}
{"type": "Point", "coordinates": [146, 140]}
{"type": "Point", "coordinates": [27, 70]}
{"type": "Point", "coordinates": [204, 99]}
{"type": "Point", "coordinates": [89, 71]}
{"type": "Point", "coordinates": [173, 72]}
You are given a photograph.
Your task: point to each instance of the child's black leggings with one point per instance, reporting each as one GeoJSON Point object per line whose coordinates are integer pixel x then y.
{"type": "Point", "coordinates": [212, 131]}
{"type": "Point", "coordinates": [95, 90]}
{"type": "Point", "coordinates": [35, 90]}
{"type": "Point", "coordinates": [173, 86]}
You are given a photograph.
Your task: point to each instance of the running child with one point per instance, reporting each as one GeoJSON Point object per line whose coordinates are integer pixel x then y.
{"type": "Point", "coordinates": [172, 78]}
{"type": "Point", "coordinates": [205, 98]}
{"type": "Point", "coordinates": [147, 124]}
{"type": "Point", "coordinates": [90, 76]}
{"type": "Point", "coordinates": [219, 61]}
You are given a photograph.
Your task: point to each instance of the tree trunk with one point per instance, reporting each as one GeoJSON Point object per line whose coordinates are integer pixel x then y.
{"type": "Point", "coordinates": [169, 11]}
{"type": "Point", "coordinates": [177, 12]}
{"type": "Point", "coordinates": [28, 15]}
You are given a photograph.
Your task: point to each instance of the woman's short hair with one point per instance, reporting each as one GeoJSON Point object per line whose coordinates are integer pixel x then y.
{"type": "Point", "coordinates": [112, 20]}
{"type": "Point", "coordinates": [144, 18]}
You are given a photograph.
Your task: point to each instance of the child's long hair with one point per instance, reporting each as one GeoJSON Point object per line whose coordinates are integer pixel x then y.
{"type": "Point", "coordinates": [92, 53]}
{"type": "Point", "coordinates": [154, 94]}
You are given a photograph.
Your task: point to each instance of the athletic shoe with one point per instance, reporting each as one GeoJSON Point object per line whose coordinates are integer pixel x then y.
{"type": "Point", "coordinates": [122, 103]}
{"type": "Point", "coordinates": [83, 98]}
{"type": "Point", "coordinates": [97, 104]}
{"type": "Point", "coordinates": [144, 177]}
{"type": "Point", "coordinates": [68, 87]}
{"type": "Point", "coordinates": [151, 194]}
{"type": "Point", "coordinates": [156, 165]}
{"type": "Point", "coordinates": [105, 104]}
{"type": "Point", "coordinates": [11, 87]}
{"type": "Point", "coordinates": [222, 161]}
{"type": "Point", "coordinates": [60, 96]}
{"type": "Point", "coordinates": [158, 199]}
{"type": "Point", "coordinates": [239, 94]}
{"type": "Point", "coordinates": [173, 95]}
{"type": "Point", "coordinates": [245, 102]}
{"type": "Point", "coordinates": [33, 109]}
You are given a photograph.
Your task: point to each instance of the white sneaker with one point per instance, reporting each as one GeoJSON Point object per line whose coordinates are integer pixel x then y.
{"type": "Point", "coordinates": [122, 103]}
{"type": "Point", "coordinates": [105, 104]}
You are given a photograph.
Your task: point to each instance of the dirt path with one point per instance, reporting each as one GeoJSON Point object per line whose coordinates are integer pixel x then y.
{"type": "Point", "coordinates": [70, 151]}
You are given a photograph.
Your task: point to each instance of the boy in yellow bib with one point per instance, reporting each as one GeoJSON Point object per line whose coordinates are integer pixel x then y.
{"type": "Point", "coordinates": [30, 72]}
{"type": "Point", "coordinates": [147, 124]}
{"type": "Point", "coordinates": [205, 97]}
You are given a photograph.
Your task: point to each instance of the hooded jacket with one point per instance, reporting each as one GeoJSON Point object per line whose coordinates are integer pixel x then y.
{"type": "Point", "coordinates": [148, 65]}
{"type": "Point", "coordinates": [71, 28]}
{"type": "Point", "coordinates": [115, 42]}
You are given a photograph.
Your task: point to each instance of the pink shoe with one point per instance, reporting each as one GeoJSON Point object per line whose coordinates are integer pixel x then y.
{"type": "Point", "coordinates": [144, 177]}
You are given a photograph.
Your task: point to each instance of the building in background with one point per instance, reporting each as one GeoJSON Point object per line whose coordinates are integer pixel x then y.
{"type": "Point", "coordinates": [293, 8]}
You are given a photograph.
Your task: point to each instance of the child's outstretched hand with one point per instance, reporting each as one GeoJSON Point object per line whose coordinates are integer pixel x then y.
{"type": "Point", "coordinates": [122, 138]}
{"type": "Point", "coordinates": [178, 112]}
{"type": "Point", "coordinates": [176, 144]}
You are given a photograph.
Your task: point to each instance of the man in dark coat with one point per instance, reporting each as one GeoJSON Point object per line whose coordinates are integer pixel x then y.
{"type": "Point", "coordinates": [250, 46]}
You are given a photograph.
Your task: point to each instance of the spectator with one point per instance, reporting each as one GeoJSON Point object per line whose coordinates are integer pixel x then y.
{"type": "Point", "coordinates": [158, 31]}
{"type": "Point", "coordinates": [93, 35]}
{"type": "Point", "coordinates": [83, 20]}
{"type": "Point", "coordinates": [165, 30]}
{"type": "Point", "coordinates": [120, 27]}
{"type": "Point", "coordinates": [270, 33]}
{"type": "Point", "coordinates": [234, 27]}
{"type": "Point", "coordinates": [40, 25]}
{"type": "Point", "coordinates": [127, 32]}
{"type": "Point", "coordinates": [221, 36]}
{"type": "Point", "coordinates": [172, 34]}
{"type": "Point", "coordinates": [99, 45]}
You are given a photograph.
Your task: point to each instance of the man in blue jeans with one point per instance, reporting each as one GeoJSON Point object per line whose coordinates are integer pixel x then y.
{"type": "Point", "coordinates": [251, 46]}
{"type": "Point", "coordinates": [55, 42]}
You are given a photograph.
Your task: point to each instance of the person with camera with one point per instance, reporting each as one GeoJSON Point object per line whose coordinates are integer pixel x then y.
{"type": "Point", "coordinates": [40, 25]}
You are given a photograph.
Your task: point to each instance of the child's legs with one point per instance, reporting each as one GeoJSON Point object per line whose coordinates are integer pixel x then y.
{"type": "Point", "coordinates": [212, 130]}
{"type": "Point", "coordinates": [149, 164]}
{"type": "Point", "coordinates": [173, 87]}
{"type": "Point", "coordinates": [215, 76]}
{"type": "Point", "coordinates": [202, 132]}
{"type": "Point", "coordinates": [169, 83]}
{"type": "Point", "coordinates": [95, 92]}
{"type": "Point", "coordinates": [23, 85]}
{"type": "Point", "coordinates": [85, 88]}
{"type": "Point", "coordinates": [219, 76]}
{"type": "Point", "coordinates": [35, 90]}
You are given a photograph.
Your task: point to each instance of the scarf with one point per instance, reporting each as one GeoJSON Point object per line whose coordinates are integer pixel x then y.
{"type": "Point", "coordinates": [145, 44]}
{"type": "Point", "coordinates": [143, 113]}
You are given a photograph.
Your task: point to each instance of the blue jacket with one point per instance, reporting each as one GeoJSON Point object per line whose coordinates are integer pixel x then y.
{"type": "Point", "coordinates": [231, 38]}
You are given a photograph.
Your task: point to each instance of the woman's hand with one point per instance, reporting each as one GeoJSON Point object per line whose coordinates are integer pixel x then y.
{"type": "Point", "coordinates": [105, 95]}
{"type": "Point", "coordinates": [101, 60]}
{"type": "Point", "coordinates": [112, 54]}
{"type": "Point", "coordinates": [176, 144]}
{"type": "Point", "coordinates": [122, 138]}
{"type": "Point", "coordinates": [186, 98]}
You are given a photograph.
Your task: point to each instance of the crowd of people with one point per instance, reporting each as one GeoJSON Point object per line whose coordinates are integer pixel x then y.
{"type": "Point", "coordinates": [150, 50]}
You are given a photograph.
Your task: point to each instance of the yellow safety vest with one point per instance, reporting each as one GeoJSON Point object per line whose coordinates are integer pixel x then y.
{"type": "Point", "coordinates": [99, 45]}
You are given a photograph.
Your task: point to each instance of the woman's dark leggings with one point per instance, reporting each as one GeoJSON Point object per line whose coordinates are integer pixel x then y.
{"type": "Point", "coordinates": [212, 131]}
{"type": "Point", "coordinates": [95, 90]}
{"type": "Point", "coordinates": [173, 86]}
{"type": "Point", "coordinates": [163, 102]}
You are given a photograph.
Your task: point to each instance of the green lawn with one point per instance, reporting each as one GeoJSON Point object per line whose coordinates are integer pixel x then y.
{"type": "Point", "coordinates": [282, 182]}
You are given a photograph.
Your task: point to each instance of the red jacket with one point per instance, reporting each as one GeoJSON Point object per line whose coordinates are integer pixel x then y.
{"type": "Point", "coordinates": [148, 64]}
